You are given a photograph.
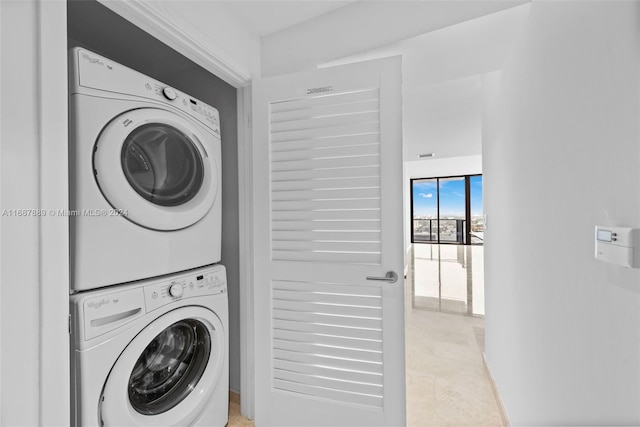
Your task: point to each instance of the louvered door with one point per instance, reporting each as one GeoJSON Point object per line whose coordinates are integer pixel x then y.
{"type": "Point", "coordinates": [329, 343]}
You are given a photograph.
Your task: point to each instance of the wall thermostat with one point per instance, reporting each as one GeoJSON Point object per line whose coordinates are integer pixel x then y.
{"type": "Point", "coordinates": [618, 245]}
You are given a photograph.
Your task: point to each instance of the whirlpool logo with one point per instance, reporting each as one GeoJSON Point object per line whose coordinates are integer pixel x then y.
{"type": "Point", "coordinates": [315, 90]}
{"type": "Point", "coordinates": [91, 59]}
{"type": "Point", "coordinates": [98, 304]}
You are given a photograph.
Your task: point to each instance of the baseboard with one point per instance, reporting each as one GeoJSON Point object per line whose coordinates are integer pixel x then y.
{"type": "Point", "coordinates": [496, 393]}
{"type": "Point", "coordinates": [234, 397]}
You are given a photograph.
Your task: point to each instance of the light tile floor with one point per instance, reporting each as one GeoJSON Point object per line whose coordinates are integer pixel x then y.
{"type": "Point", "coordinates": [447, 384]}
{"type": "Point", "coordinates": [448, 278]}
{"type": "Point", "coordinates": [236, 419]}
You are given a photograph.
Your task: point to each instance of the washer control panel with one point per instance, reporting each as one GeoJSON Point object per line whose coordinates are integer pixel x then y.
{"type": "Point", "coordinates": [96, 313]}
{"type": "Point", "coordinates": [199, 283]}
{"type": "Point", "coordinates": [169, 93]}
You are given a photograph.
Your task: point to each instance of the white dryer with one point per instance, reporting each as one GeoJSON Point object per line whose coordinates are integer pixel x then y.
{"type": "Point", "coordinates": [145, 193]}
{"type": "Point", "coordinates": [152, 353]}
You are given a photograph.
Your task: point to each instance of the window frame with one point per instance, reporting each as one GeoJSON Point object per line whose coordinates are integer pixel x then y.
{"type": "Point", "coordinates": [467, 226]}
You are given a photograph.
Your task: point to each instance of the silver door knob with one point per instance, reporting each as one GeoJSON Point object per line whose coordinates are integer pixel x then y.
{"type": "Point", "coordinates": [390, 277]}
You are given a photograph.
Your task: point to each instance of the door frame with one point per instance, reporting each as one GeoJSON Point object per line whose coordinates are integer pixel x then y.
{"type": "Point", "coordinates": [154, 21]}
{"type": "Point", "coordinates": [43, 299]}
{"type": "Point", "coordinates": [35, 269]}
{"type": "Point", "coordinates": [150, 17]}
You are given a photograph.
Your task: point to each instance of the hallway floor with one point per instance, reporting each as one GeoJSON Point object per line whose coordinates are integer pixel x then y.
{"type": "Point", "coordinates": [447, 384]}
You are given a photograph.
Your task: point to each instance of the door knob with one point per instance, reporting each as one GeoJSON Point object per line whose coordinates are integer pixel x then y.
{"type": "Point", "coordinates": [390, 277]}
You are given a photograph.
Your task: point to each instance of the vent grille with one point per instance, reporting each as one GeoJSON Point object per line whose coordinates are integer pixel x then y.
{"type": "Point", "coordinates": [327, 341]}
{"type": "Point", "coordinates": [325, 178]}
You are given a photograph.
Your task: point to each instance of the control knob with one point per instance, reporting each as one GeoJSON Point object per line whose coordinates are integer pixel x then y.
{"type": "Point", "coordinates": [176, 290]}
{"type": "Point", "coordinates": [169, 93]}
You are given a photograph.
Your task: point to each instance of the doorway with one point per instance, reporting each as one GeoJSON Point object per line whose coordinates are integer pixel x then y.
{"type": "Point", "coordinates": [446, 379]}
{"type": "Point", "coordinates": [446, 256]}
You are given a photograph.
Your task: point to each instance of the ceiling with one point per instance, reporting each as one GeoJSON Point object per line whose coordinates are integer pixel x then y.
{"type": "Point", "coordinates": [469, 48]}
{"type": "Point", "coordinates": [266, 17]}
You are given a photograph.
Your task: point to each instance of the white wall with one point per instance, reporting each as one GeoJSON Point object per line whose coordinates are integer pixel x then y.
{"type": "Point", "coordinates": [34, 347]}
{"type": "Point", "coordinates": [444, 118]}
{"type": "Point", "coordinates": [431, 168]}
{"type": "Point", "coordinates": [562, 329]}
{"type": "Point", "coordinates": [19, 236]}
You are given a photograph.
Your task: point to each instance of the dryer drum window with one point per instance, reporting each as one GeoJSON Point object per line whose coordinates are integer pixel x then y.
{"type": "Point", "coordinates": [170, 367]}
{"type": "Point", "coordinates": [162, 164]}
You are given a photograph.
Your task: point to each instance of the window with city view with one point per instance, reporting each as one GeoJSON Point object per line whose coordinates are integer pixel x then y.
{"type": "Point", "coordinates": [447, 210]}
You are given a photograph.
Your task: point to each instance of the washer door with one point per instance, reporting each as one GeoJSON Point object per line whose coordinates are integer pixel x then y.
{"type": "Point", "coordinates": [157, 168]}
{"type": "Point", "coordinates": [168, 372]}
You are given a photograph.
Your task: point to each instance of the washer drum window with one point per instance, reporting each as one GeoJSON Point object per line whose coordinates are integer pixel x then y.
{"type": "Point", "coordinates": [170, 367]}
{"type": "Point", "coordinates": [168, 372]}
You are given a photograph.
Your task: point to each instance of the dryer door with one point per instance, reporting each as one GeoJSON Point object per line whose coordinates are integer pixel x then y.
{"type": "Point", "coordinates": [167, 374]}
{"type": "Point", "coordinates": [157, 168]}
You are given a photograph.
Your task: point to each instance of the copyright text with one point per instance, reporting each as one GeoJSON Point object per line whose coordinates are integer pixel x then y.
{"type": "Point", "coordinates": [62, 212]}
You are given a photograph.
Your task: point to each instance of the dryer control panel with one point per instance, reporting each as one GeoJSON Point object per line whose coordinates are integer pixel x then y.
{"type": "Point", "coordinates": [93, 71]}
{"type": "Point", "coordinates": [187, 286]}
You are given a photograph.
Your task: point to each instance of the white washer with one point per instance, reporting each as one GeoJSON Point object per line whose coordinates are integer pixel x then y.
{"type": "Point", "coordinates": [152, 353]}
{"type": "Point", "coordinates": [145, 193]}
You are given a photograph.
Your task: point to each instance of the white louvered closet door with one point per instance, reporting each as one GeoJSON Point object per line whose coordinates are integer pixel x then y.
{"type": "Point", "coordinates": [329, 342]}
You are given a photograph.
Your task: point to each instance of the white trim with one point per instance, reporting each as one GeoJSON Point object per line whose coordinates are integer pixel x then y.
{"type": "Point", "coordinates": [245, 199]}
{"type": "Point", "coordinates": [504, 417]}
{"type": "Point", "coordinates": [1, 258]}
{"type": "Point", "coordinates": [54, 230]}
{"type": "Point", "coordinates": [203, 52]}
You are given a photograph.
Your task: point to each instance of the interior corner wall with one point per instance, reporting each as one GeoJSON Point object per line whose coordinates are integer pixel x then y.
{"type": "Point", "coordinates": [95, 27]}
{"type": "Point", "coordinates": [563, 329]}
{"type": "Point", "coordinates": [432, 168]}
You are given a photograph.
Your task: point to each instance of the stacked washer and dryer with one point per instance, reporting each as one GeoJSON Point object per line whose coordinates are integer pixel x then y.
{"type": "Point", "coordinates": [148, 303]}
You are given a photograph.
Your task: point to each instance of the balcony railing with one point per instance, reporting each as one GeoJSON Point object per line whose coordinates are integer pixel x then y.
{"type": "Point", "coordinates": [449, 230]}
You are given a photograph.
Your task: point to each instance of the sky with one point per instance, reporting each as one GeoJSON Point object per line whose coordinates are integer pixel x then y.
{"type": "Point", "coordinates": [425, 197]}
